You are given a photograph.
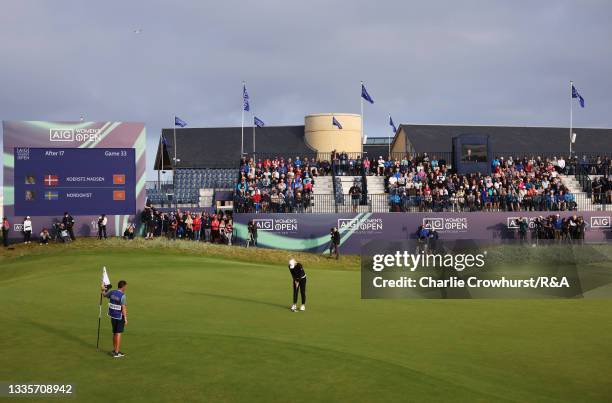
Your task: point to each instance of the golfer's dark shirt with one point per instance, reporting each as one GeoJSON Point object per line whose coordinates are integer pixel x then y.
{"type": "Point", "coordinates": [297, 272]}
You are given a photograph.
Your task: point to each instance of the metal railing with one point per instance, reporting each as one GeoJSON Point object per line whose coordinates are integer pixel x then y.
{"type": "Point", "coordinates": [382, 202]}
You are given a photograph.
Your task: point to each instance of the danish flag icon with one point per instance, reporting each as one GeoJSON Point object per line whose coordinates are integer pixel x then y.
{"type": "Point", "coordinates": [51, 180]}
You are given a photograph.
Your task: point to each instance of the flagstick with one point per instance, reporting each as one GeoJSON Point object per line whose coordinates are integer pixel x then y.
{"type": "Point", "coordinates": [99, 319]}
{"type": "Point", "coordinates": [361, 99]}
{"type": "Point", "coordinates": [242, 126]}
{"type": "Point", "coordinates": [571, 116]}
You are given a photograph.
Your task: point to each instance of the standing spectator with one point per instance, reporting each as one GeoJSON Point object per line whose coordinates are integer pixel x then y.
{"type": "Point", "coordinates": [27, 230]}
{"type": "Point", "coordinates": [229, 230]}
{"type": "Point", "coordinates": [381, 166]}
{"type": "Point", "coordinates": [172, 226]}
{"type": "Point", "coordinates": [102, 221]}
{"type": "Point", "coordinates": [214, 229]}
{"type": "Point", "coordinates": [68, 222]}
{"type": "Point", "coordinates": [197, 227]}
{"type": "Point", "coordinates": [355, 192]}
{"type": "Point", "coordinates": [206, 226]}
{"type": "Point", "coordinates": [188, 226]}
{"type": "Point", "coordinates": [5, 231]}
{"type": "Point", "coordinates": [222, 234]}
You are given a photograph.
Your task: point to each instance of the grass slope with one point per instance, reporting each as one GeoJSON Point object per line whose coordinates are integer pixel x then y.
{"type": "Point", "coordinates": [210, 323]}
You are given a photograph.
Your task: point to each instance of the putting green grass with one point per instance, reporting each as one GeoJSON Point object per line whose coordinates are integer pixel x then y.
{"type": "Point", "coordinates": [211, 323]}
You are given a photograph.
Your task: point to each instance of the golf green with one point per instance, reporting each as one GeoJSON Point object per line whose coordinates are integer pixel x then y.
{"type": "Point", "coordinates": [211, 323]}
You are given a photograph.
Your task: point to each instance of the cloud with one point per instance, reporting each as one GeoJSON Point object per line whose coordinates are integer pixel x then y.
{"type": "Point", "coordinates": [424, 62]}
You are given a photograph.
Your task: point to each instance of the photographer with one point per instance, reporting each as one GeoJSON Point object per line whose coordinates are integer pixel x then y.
{"type": "Point", "coordinates": [64, 236]}
{"type": "Point", "coordinates": [252, 240]}
{"type": "Point", "coordinates": [128, 234]}
{"type": "Point", "coordinates": [334, 245]}
{"type": "Point", "coordinates": [102, 220]}
{"type": "Point", "coordinates": [523, 225]}
{"type": "Point", "coordinates": [44, 237]}
{"type": "Point", "coordinates": [68, 222]}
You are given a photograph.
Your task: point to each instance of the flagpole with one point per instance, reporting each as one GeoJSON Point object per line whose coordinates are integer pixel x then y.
{"type": "Point", "coordinates": [161, 153]}
{"type": "Point", "coordinates": [254, 137]}
{"type": "Point", "coordinates": [389, 157]}
{"type": "Point", "coordinates": [571, 116]}
{"type": "Point", "coordinates": [242, 125]}
{"type": "Point", "coordinates": [361, 99]}
{"type": "Point", "coordinates": [175, 147]}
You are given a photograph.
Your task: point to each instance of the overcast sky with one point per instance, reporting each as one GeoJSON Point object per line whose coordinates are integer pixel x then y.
{"type": "Point", "coordinates": [472, 62]}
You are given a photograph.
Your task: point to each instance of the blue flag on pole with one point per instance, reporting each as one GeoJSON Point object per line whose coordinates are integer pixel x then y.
{"type": "Point", "coordinates": [245, 99]}
{"type": "Point", "coordinates": [365, 95]}
{"type": "Point", "coordinates": [258, 122]}
{"type": "Point", "coordinates": [392, 124]}
{"type": "Point", "coordinates": [336, 123]}
{"type": "Point", "coordinates": [164, 141]}
{"type": "Point", "coordinates": [576, 94]}
{"type": "Point", "coordinates": [179, 122]}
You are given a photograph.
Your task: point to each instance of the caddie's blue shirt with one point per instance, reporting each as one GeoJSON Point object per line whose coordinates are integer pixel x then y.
{"type": "Point", "coordinates": [115, 300]}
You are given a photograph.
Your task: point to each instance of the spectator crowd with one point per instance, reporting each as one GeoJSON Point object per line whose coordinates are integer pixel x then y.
{"type": "Point", "coordinates": [199, 227]}
{"type": "Point", "coordinates": [552, 227]}
{"type": "Point", "coordinates": [277, 185]}
{"type": "Point", "coordinates": [523, 184]}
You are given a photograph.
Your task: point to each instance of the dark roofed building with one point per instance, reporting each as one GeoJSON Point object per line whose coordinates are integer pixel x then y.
{"type": "Point", "coordinates": [220, 147]}
{"type": "Point", "coordinates": [376, 146]}
{"type": "Point", "coordinates": [503, 139]}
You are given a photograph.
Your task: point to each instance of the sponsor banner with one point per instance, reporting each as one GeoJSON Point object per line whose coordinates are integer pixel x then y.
{"type": "Point", "coordinates": [484, 269]}
{"type": "Point", "coordinates": [311, 232]}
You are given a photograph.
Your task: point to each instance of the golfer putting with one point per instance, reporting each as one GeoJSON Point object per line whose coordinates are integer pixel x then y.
{"type": "Point", "coordinates": [299, 283]}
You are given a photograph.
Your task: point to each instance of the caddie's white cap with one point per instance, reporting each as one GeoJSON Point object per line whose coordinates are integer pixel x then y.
{"type": "Point", "coordinates": [292, 263]}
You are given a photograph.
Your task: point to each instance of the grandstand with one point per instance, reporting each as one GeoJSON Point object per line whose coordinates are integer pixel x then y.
{"type": "Point", "coordinates": [206, 165]}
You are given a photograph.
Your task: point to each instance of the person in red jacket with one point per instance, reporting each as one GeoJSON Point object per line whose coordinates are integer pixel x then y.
{"type": "Point", "coordinates": [257, 200]}
{"type": "Point", "coordinates": [214, 229]}
{"type": "Point", "coordinates": [197, 226]}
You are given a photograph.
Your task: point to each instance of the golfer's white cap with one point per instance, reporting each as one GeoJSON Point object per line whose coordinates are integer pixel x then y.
{"type": "Point", "coordinates": [292, 263]}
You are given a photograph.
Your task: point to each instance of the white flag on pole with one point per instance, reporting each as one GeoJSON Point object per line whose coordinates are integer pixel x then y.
{"type": "Point", "coordinates": [105, 280]}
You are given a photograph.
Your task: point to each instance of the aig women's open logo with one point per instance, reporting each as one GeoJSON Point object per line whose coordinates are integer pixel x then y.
{"type": "Point", "coordinates": [280, 225]}
{"type": "Point", "coordinates": [446, 224]}
{"type": "Point", "coordinates": [22, 153]}
{"type": "Point", "coordinates": [367, 226]}
{"type": "Point", "coordinates": [72, 135]}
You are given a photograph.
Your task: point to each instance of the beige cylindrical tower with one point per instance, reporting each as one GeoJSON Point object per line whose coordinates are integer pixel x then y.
{"type": "Point", "coordinates": [324, 137]}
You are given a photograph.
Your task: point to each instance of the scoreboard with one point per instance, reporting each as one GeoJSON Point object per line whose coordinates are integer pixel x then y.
{"type": "Point", "coordinates": [82, 181]}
